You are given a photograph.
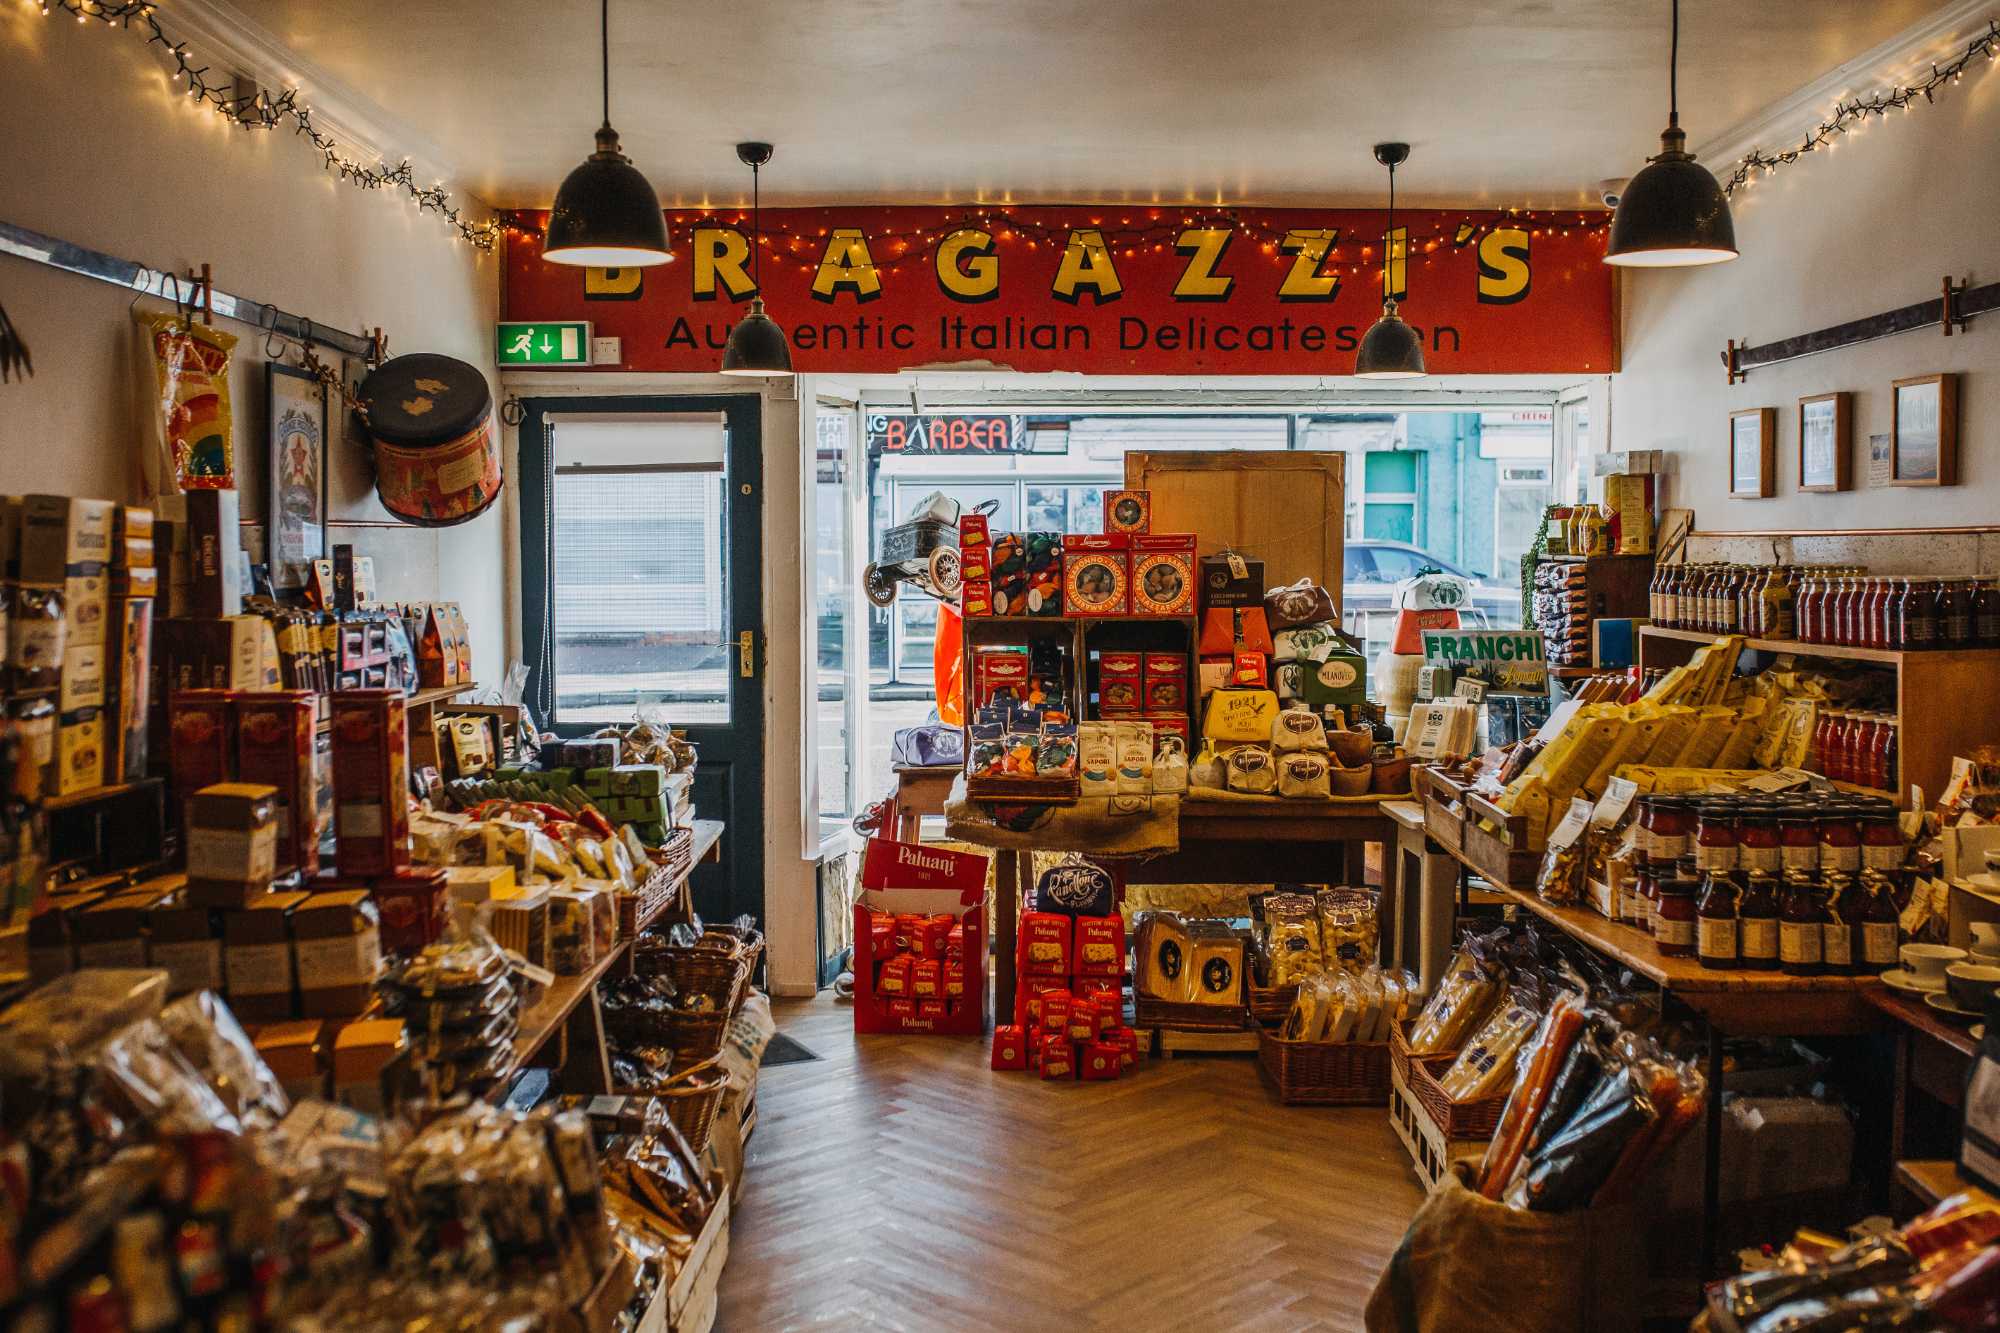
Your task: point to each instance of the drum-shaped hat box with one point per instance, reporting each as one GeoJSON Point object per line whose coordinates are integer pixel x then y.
{"type": "Point", "coordinates": [437, 442]}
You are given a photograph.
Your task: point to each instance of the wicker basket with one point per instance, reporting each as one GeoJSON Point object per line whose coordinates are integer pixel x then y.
{"type": "Point", "coordinates": [692, 1098]}
{"type": "Point", "coordinates": [720, 975]}
{"type": "Point", "coordinates": [748, 944]}
{"type": "Point", "coordinates": [1151, 1013]}
{"type": "Point", "coordinates": [1454, 1120]}
{"type": "Point", "coordinates": [1271, 1004]}
{"type": "Point", "coordinates": [1325, 1073]}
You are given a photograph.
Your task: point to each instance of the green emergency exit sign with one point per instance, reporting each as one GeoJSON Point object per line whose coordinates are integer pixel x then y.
{"type": "Point", "coordinates": [543, 344]}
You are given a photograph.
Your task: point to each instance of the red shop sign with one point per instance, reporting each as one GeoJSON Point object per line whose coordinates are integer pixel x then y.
{"type": "Point", "coordinates": [1098, 290]}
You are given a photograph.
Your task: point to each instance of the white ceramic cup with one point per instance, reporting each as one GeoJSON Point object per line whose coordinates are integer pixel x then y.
{"type": "Point", "coordinates": [1926, 963]}
{"type": "Point", "coordinates": [1985, 936]}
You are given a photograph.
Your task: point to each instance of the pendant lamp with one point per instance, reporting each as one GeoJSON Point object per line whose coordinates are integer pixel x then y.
{"type": "Point", "coordinates": [1674, 213]}
{"type": "Point", "coordinates": [606, 214]}
{"type": "Point", "coordinates": [1391, 350]}
{"type": "Point", "coordinates": [757, 345]}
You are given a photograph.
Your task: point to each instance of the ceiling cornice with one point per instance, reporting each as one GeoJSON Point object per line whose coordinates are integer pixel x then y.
{"type": "Point", "coordinates": [221, 34]}
{"type": "Point", "coordinates": [1786, 121]}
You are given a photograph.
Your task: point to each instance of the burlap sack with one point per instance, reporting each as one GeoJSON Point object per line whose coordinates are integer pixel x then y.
{"type": "Point", "coordinates": [1468, 1265]}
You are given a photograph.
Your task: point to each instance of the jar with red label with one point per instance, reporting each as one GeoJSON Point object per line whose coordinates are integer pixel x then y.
{"type": "Point", "coordinates": [1882, 846]}
{"type": "Point", "coordinates": [1715, 840]}
{"type": "Point", "coordinates": [1674, 921]}
{"type": "Point", "coordinates": [1757, 839]}
{"type": "Point", "coordinates": [1798, 841]}
{"type": "Point", "coordinates": [1670, 829]}
{"type": "Point", "coordinates": [1839, 838]}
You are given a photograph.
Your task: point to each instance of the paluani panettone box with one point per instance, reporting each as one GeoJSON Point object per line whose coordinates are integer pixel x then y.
{"type": "Point", "coordinates": [907, 880]}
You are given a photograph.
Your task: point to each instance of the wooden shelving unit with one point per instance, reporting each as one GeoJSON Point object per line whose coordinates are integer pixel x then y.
{"type": "Point", "coordinates": [1945, 700]}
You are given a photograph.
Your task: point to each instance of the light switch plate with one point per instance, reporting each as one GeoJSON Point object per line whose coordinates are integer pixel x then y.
{"type": "Point", "coordinates": [606, 351]}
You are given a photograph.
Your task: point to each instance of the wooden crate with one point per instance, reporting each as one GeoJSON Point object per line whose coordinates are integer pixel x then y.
{"type": "Point", "coordinates": [1431, 1151]}
{"type": "Point", "coordinates": [1444, 806]}
{"type": "Point", "coordinates": [1498, 844]}
{"type": "Point", "coordinates": [688, 1303]}
{"type": "Point", "coordinates": [1282, 508]}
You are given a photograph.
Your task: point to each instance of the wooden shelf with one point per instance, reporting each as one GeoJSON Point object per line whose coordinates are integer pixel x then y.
{"type": "Point", "coordinates": [708, 840]}
{"type": "Point", "coordinates": [424, 698]}
{"type": "Point", "coordinates": [93, 795]}
{"type": "Point", "coordinates": [1920, 1017]}
{"type": "Point", "coordinates": [552, 1011]}
{"type": "Point", "coordinates": [1891, 656]}
{"type": "Point", "coordinates": [1932, 1179]}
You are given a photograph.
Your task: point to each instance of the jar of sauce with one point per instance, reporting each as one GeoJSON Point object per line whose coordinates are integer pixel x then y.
{"type": "Point", "coordinates": [1877, 937]}
{"type": "Point", "coordinates": [1843, 920]}
{"type": "Point", "coordinates": [1986, 614]}
{"type": "Point", "coordinates": [1830, 740]}
{"type": "Point", "coordinates": [1671, 829]}
{"type": "Point", "coordinates": [1757, 840]}
{"type": "Point", "coordinates": [1798, 842]}
{"type": "Point", "coordinates": [1955, 626]}
{"type": "Point", "coordinates": [1715, 922]}
{"type": "Point", "coordinates": [1715, 842]}
{"type": "Point", "coordinates": [1674, 922]}
{"type": "Point", "coordinates": [1919, 616]}
{"type": "Point", "coordinates": [1885, 753]}
{"type": "Point", "coordinates": [1892, 612]}
{"type": "Point", "coordinates": [1635, 899]}
{"type": "Point", "coordinates": [1839, 839]}
{"type": "Point", "coordinates": [1859, 748]}
{"type": "Point", "coordinates": [1882, 846]}
{"type": "Point", "coordinates": [1801, 933]}
{"type": "Point", "coordinates": [1757, 919]}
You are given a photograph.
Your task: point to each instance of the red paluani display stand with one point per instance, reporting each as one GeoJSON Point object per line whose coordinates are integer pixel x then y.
{"type": "Point", "coordinates": [920, 940]}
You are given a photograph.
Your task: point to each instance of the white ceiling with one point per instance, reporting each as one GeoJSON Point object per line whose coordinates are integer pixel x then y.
{"type": "Point", "coordinates": [929, 101]}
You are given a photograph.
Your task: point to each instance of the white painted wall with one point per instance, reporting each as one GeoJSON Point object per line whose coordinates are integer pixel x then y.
{"type": "Point", "coordinates": [1872, 226]}
{"type": "Point", "coordinates": [100, 152]}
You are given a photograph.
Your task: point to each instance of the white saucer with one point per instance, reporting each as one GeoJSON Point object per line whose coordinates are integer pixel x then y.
{"type": "Point", "coordinates": [1944, 1004]}
{"type": "Point", "coordinates": [1977, 1032]}
{"type": "Point", "coordinates": [1983, 959]}
{"type": "Point", "coordinates": [1897, 978]}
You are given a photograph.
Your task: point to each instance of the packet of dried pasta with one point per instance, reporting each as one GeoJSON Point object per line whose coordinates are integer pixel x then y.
{"type": "Point", "coordinates": [194, 424]}
{"type": "Point", "coordinates": [1292, 937]}
{"type": "Point", "coordinates": [1349, 927]}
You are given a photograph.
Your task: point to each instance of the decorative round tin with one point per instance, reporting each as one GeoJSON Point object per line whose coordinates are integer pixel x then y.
{"type": "Point", "coordinates": [1093, 584]}
{"type": "Point", "coordinates": [437, 442]}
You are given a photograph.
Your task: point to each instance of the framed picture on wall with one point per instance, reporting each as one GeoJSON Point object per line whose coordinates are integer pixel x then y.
{"type": "Point", "coordinates": [1826, 436]}
{"type": "Point", "coordinates": [1923, 432]}
{"type": "Point", "coordinates": [297, 506]}
{"type": "Point", "coordinates": [1753, 443]}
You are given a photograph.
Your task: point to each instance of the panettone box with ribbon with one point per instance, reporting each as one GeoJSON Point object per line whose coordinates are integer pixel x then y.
{"type": "Point", "coordinates": [920, 908]}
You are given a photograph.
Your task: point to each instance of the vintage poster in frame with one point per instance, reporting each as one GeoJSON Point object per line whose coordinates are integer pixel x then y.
{"type": "Point", "coordinates": [1923, 431]}
{"type": "Point", "coordinates": [1826, 438]}
{"type": "Point", "coordinates": [297, 517]}
{"type": "Point", "coordinates": [1752, 452]}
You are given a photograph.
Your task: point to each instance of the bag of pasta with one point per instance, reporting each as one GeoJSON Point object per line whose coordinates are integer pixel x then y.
{"type": "Point", "coordinates": [1485, 1068]}
{"type": "Point", "coordinates": [1349, 927]}
{"type": "Point", "coordinates": [1291, 938]}
{"type": "Point", "coordinates": [1460, 1003]}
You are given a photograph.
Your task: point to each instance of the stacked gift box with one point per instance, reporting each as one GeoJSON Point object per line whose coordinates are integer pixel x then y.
{"type": "Point", "coordinates": [919, 940]}
{"type": "Point", "coordinates": [1126, 570]}
{"type": "Point", "coordinates": [1069, 1002]}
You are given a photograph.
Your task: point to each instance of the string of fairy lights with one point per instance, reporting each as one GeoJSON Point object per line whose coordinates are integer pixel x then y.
{"type": "Point", "coordinates": [262, 110]}
{"type": "Point", "coordinates": [1850, 114]}
{"type": "Point", "coordinates": [1156, 231]}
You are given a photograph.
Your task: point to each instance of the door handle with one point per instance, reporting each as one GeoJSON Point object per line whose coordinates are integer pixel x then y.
{"type": "Point", "coordinates": [746, 654]}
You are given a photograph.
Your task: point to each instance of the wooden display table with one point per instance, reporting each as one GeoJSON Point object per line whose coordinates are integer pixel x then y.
{"type": "Point", "coordinates": [1933, 1054]}
{"type": "Point", "coordinates": [1932, 1179]}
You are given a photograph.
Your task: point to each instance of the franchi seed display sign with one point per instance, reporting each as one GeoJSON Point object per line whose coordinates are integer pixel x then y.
{"type": "Point", "coordinates": [1141, 290]}
{"type": "Point", "coordinates": [1506, 661]}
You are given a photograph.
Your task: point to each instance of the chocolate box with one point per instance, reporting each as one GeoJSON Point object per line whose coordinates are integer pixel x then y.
{"type": "Point", "coordinates": [274, 746]}
{"type": "Point", "coordinates": [232, 837]}
{"type": "Point", "coordinates": [413, 907]}
{"type": "Point", "coordinates": [79, 760]}
{"type": "Point", "coordinates": [86, 606]}
{"type": "Point", "coordinates": [257, 961]}
{"type": "Point", "coordinates": [82, 677]}
{"type": "Point", "coordinates": [1166, 684]}
{"type": "Point", "coordinates": [522, 924]}
{"type": "Point", "coordinates": [1028, 574]}
{"type": "Point", "coordinates": [1097, 575]}
{"type": "Point", "coordinates": [338, 949]}
{"type": "Point", "coordinates": [185, 942]}
{"type": "Point", "coordinates": [1128, 512]}
{"type": "Point", "coordinates": [1229, 579]}
{"type": "Point", "coordinates": [363, 1051]}
{"type": "Point", "coordinates": [995, 670]}
{"type": "Point", "coordinates": [202, 747]}
{"type": "Point", "coordinates": [215, 554]}
{"type": "Point", "coordinates": [1163, 581]}
{"type": "Point", "coordinates": [61, 535]}
{"type": "Point", "coordinates": [371, 816]}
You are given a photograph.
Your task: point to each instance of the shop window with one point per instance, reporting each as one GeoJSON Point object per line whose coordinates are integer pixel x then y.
{"type": "Point", "coordinates": [833, 584]}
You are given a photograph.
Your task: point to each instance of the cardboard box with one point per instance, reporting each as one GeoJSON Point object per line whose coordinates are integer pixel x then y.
{"type": "Point", "coordinates": [79, 764]}
{"type": "Point", "coordinates": [1100, 946]}
{"type": "Point", "coordinates": [232, 835]}
{"type": "Point", "coordinates": [903, 879]}
{"type": "Point", "coordinates": [1098, 1061]}
{"type": "Point", "coordinates": [472, 885]}
{"type": "Point", "coordinates": [1166, 684]}
{"type": "Point", "coordinates": [1010, 1047]}
{"type": "Point", "coordinates": [296, 1053]}
{"type": "Point", "coordinates": [1163, 574]}
{"type": "Point", "coordinates": [52, 936]}
{"type": "Point", "coordinates": [998, 670]}
{"type": "Point", "coordinates": [233, 653]}
{"type": "Point", "coordinates": [1230, 580]}
{"type": "Point", "coordinates": [185, 942]}
{"type": "Point", "coordinates": [136, 581]}
{"type": "Point", "coordinates": [275, 746]}
{"type": "Point", "coordinates": [128, 648]}
{"type": "Point", "coordinates": [112, 931]}
{"type": "Point", "coordinates": [257, 959]}
{"type": "Point", "coordinates": [363, 1052]}
{"type": "Point", "coordinates": [63, 534]}
{"type": "Point", "coordinates": [371, 816]}
{"type": "Point", "coordinates": [522, 924]}
{"type": "Point", "coordinates": [1120, 683]}
{"type": "Point", "coordinates": [338, 947]}
{"type": "Point", "coordinates": [215, 554]}
{"type": "Point", "coordinates": [414, 907]}
{"type": "Point", "coordinates": [437, 656]}
{"type": "Point", "coordinates": [1097, 575]}
{"type": "Point", "coordinates": [1045, 945]}
{"type": "Point", "coordinates": [86, 606]}
{"type": "Point", "coordinates": [975, 598]}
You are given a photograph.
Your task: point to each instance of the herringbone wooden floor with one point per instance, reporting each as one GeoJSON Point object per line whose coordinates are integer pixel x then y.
{"type": "Point", "coordinates": [898, 1183]}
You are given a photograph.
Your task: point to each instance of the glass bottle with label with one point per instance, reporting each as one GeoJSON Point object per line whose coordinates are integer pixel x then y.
{"type": "Point", "coordinates": [1780, 607]}
{"type": "Point", "coordinates": [1877, 937]}
{"type": "Point", "coordinates": [1684, 597]}
{"type": "Point", "coordinates": [1715, 845]}
{"type": "Point", "coordinates": [1715, 922]}
{"type": "Point", "coordinates": [1882, 846]}
{"type": "Point", "coordinates": [1986, 614]}
{"type": "Point", "coordinates": [1798, 841]}
{"type": "Point", "coordinates": [1757, 842]}
{"type": "Point", "coordinates": [1955, 629]}
{"type": "Point", "coordinates": [1801, 933]}
{"type": "Point", "coordinates": [1843, 921]}
{"type": "Point", "coordinates": [1673, 923]}
{"type": "Point", "coordinates": [1839, 839]}
{"type": "Point", "coordinates": [1830, 738]}
{"type": "Point", "coordinates": [1808, 608]}
{"type": "Point", "coordinates": [1757, 918]}
{"type": "Point", "coordinates": [1919, 616]}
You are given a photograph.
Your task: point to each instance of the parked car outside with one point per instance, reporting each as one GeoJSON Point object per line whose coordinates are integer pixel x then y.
{"type": "Point", "coordinates": [1371, 571]}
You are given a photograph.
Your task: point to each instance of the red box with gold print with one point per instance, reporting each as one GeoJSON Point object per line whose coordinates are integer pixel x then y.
{"type": "Point", "coordinates": [975, 547]}
{"type": "Point", "coordinates": [1045, 945]}
{"type": "Point", "coordinates": [911, 886]}
{"type": "Point", "coordinates": [1100, 946]}
{"type": "Point", "coordinates": [975, 598]}
{"type": "Point", "coordinates": [1098, 1061]}
{"type": "Point", "coordinates": [371, 783]}
{"type": "Point", "coordinates": [1163, 580]}
{"type": "Point", "coordinates": [203, 750]}
{"type": "Point", "coordinates": [1121, 684]}
{"type": "Point", "coordinates": [1010, 1047]}
{"type": "Point", "coordinates": [1097, 575]}
{"type": "Point", "coordinates": [1166, 677]}
{"type": "Point", "coordinates": [1058, 1056]}
{"type": "Point", "coordinates": [274, 747]}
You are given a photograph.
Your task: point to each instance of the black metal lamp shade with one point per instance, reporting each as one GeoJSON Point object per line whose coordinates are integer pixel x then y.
{"type": "Point", "coordinates": [757, 345]}
{"type": "Point", "coordinates": [1391, 350]}
{"type": "Point", "coordinates": [1672, 214]}
{"type": "Point", "coordinates": [606, 214]}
